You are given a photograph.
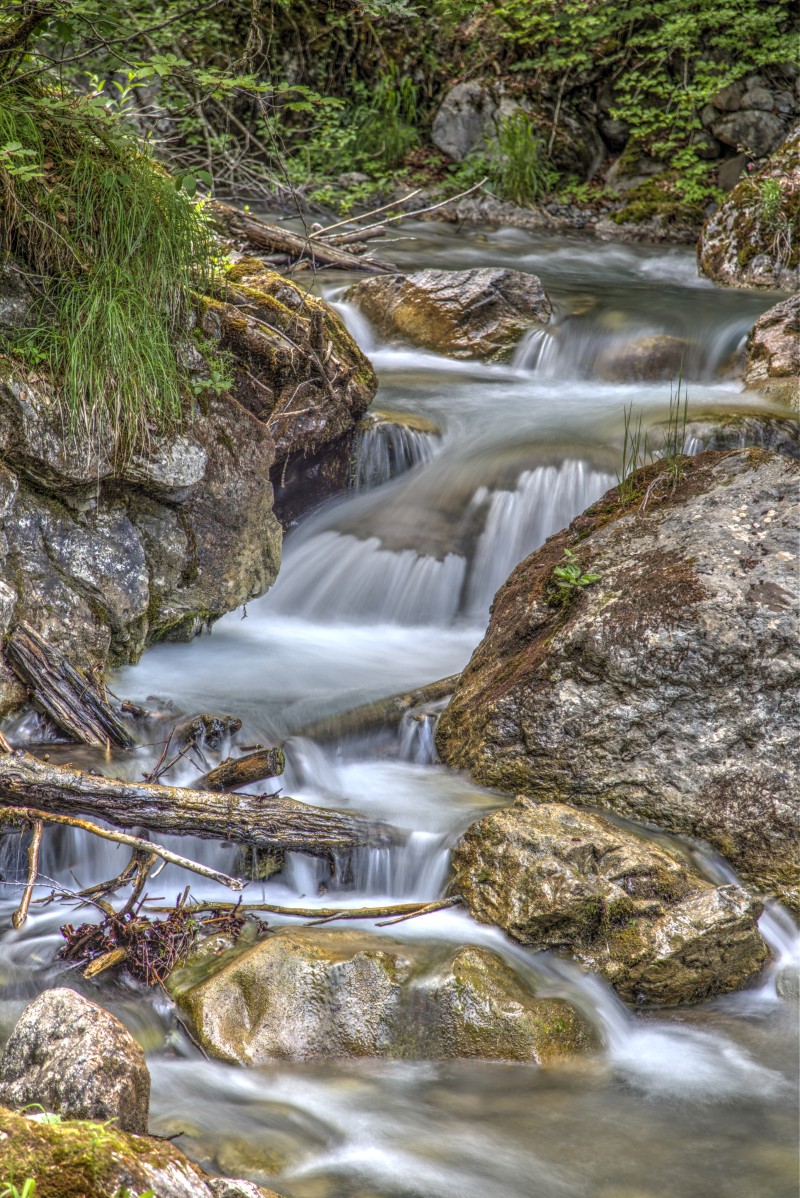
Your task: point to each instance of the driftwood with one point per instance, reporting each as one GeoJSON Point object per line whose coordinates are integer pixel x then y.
{"type": "Point", "coordinates": [69, 699]}
{"type": "Point", "coordinates": [317, 915]}
{"type": "Point", "coordinates": [265, 821]}
{"type": "Point", "coordinates": [379, 714]}
{"type": "Point", "coordinates": [241, 771]}
{"type": "Point", "coordinates": [263, 235]}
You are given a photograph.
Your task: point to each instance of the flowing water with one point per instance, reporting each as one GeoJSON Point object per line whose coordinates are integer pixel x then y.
{"type": "Point", "coordinates": [384, 590]}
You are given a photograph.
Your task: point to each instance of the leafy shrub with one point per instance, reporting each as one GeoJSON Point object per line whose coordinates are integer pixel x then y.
{"type": "Point", "coordinates": [518, 165]}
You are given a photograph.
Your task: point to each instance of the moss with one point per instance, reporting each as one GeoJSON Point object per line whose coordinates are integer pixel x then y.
{"type": "Point", "coordinates": [655, 198]}
{"type": "Point", "coordinates": [76, 1158]}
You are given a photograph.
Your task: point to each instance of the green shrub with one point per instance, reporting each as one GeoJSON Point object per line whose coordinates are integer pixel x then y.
{"type": "Point", "coordinates": [518, 166]}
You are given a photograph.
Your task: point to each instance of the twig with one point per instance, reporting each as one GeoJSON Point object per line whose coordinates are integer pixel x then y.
{"type": "Point", "coordinates": [321, 914]}
{"type": "Point", "coordinates": [439, 905]}
{"type": "Point", "coordinates": [28, 814]}
{"type": "Point", "coordinates": [351, 220]}
{"type": "Point", "coordinates": [430, 208]}
{"type": "Point", "coordinates": [21, 913]}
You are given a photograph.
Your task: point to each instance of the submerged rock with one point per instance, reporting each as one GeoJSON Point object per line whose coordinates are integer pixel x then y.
{"type": "Point", "coordinates": [302, 993]}
{"type": "Point", "coordinates": [648, 359]}
{"type": "Point", "coordinates": [737, 430]}
{"type": "Point", "coordinates": [772, 363]}
{"type": "Point", "coordinates": [753, 239]}
{"type": "Point", "coordinates": [669, 689]}
{"type": "Point", "coordinates": [71, 1057]}
{"type": "Point", "coordinates": [481, 313]}
{"type": "Point", "coordinates": [557, 878]}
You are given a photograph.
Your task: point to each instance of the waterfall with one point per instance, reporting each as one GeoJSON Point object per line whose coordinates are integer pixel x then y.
{"type": "Point", "coordinates": [386, 448]}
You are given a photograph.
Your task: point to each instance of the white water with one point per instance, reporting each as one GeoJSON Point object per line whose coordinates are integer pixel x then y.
{"type": "Point", "coordinates": [383, 591]}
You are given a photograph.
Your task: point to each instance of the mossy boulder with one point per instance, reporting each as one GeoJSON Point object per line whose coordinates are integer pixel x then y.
{"type": "Point", "coordinates": [295, 366]}
{"type": "Point", "coordinates": [481, 313]}
{"type": "Point", "coordinates": [669, 689]}
{"type": "Point", "coordinates": [77, 1159]}
{"type": "Point", "coordinates": [308, 994]}
{"type": "Point", "coordinates": [565, 880]}
{"type": "Point", "coordinates": [772, 362]}
{"type": "Point", "coordinates": [753, 240]}
{"type": "Point", "coordinates": [70, 1056]}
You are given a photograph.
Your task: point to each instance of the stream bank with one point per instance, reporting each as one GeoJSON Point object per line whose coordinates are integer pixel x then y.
{"type": "Point", "coordinates": [386, 589]}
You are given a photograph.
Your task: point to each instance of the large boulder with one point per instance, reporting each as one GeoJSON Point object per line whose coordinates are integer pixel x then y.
{"type": "Point", "coordinates": [71, 1057]}
{"type": "Point", "coordinates": [481, 313]}
{"type": "Point", "coordinates": [104, 554]}
{"type": "Point", "coordinates": [772, 362]}
{"type": "Point", "coordinates": [753, 239]}
{"type": "Point", "coordinates": [561, 879]}
{"type": "Point", "coordinates": [303, 993]}
{"type": "Point", "coordinates": [98, 1160]}
{"type": "Point", "coordinates": [466, 117]}
{"type": "Point", "coordinates": [669, 689]}
{"type": "Point", "coordinates": [650, 358]}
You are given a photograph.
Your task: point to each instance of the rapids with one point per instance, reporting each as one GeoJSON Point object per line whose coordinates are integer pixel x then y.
{"type": "Point", "coordinates": [386, 589]}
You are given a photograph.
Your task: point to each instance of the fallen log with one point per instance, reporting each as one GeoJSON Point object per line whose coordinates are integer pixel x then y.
{"type": "Point", "coordinates": [381, 713]}
{"type": "Point", "coordinates": [266, 821]}
{"type": "Point", "coordinates": [262, 234]}
{"type": "Point", "coordinates": [241, 771]}
{"type": "Point", "coordinates": [57, 689]}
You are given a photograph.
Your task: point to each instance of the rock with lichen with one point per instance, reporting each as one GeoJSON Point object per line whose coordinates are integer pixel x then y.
{"type": "Point", "coordinates": [565, 880]}
{"type": "Point", "coordinates": [753, 240]}
{"type": "Point", "coordinates": [309, 994]}
{"type": "Point", "coordinates": [669, 689]}
{"type": "Point", "coordinates": [772, 362]}
{"type": "Point", "coordinates": [480, 313]}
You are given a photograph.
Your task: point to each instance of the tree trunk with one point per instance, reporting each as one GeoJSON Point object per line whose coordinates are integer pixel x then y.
{"type": "Point", "coordinates": [261, 820]}
{"type": "Point", "coordinates": [241, 771]}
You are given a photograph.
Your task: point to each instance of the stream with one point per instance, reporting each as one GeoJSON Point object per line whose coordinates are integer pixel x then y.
{"type": "Point", "coordinates": [384, 590]}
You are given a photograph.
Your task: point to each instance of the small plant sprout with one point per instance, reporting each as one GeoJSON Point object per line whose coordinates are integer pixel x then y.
{"type": "Point", "coordinates": [635, 451]}
{"type": "Point", "coordinates": [26, 1190]}
{"type": "Point", "coordinates": [571, 575]}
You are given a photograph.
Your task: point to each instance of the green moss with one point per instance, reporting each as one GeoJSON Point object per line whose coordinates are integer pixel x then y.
{"type": "Point", "coordinates": [657, 198]}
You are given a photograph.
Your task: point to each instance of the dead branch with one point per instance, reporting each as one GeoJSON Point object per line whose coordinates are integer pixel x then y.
{"type": "Point", "coordinates": [69, 699]}
{"type": "Point", "coordinates": [265, 821]}
{"type": "Point", "coordinates": [16, 815]}
{"type": "Point", "coordinates": [241, 771]}
{"type": "Point", "coordinates": [321, 915]}
{"type": "Point", "coordinates": [21, 913]}
{"type": "Point", "coordinates": [378, 714]}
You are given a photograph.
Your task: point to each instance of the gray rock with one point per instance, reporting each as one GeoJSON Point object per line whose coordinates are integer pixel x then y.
{"type": "Point", "coordinates": [669, 690]}
{"type": "Point", "coordinates": [731, 170]}
{"type": "Point", "coordinates": [72, 1057]}
{"type": "Point", "coordinates": [561, 879]}
{"type": "Point", "coordinates": [303, 993]}
{"type": "Point", "coordinates": [758, 97]}
{"type": "Point", "coordinates": [737, 430]}
{"type": "Point", "coordinates": [170, 470]}
{"type": "Point", "coordinates": [16, 297]}
{"type": "Point", "coordinates": [229, 1187]}
{"type": "Point", "coordinates": [729, 99]}
{"type": "Point", "coordinates": [772, 357]}
{"type": "Point", "coordinates": [784, 102]}
{"type": "Point", "coordinates": [465, 118]}
{"type": "Point", "coordinates": [788, 980]}
{"type": "Point", "coordinates": [615, 132]}
{"type": "Point", "coordinates": [650, 358]}
{"type": "Point", "coordinates": [758, 132]}
{"type": "Point", "coordinates": [481, 313]}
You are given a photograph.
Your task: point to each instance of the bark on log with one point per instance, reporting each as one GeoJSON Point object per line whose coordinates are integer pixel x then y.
{"type": "Point", "coordinates": [241, 771]}
{"type": "Point", "coordinates": [69, 699]}
{"type": "Point", "coordinates": [261, 820]}
{"type": "Point", "coordinates": [264, 235]}
{"type": "Point", "coordinates": [379, 714]}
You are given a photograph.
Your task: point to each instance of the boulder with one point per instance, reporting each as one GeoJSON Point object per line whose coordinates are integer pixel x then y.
{"type": "Point", "coordinates": [98, 1159]}
{"type": "Point", "coordinates": [308, 994]}
{"type": "Point", "coordinates": [564, 880]}
{"type": "Point", "coordinates": [481, 313]}
{"type": "Point", "coordinates": [669, 689]}
{"type": "Point", "coordinates": [104, 555]}
{"type": "Point", "coordinates": [737, 430]}
{"type": "Point", "coordinates": [772, 357]}
{"type": "Point", "coordinates": [752, 241]}
{"type": "Point", "coordinates": [647, 359]}
{"type": "Point", "coordinates": [759, 132]}
{"type": "Point", "coordinates": [73, 1058]}
{"type": "Point", "coordinates": [465, 118]}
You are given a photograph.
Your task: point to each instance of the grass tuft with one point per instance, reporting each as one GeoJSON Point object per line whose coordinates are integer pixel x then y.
{"type": "Point", "coordinates": [113, 249]}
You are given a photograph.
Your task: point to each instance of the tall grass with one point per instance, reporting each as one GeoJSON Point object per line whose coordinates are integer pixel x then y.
{"type": "Point", "coordinates": [114, 249]}
{"type": "Point", "coordinates": [519, 168]}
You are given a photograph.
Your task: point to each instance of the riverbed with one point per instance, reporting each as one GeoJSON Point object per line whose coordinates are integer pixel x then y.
{"type": "Point", "coordinates": [386, 589]}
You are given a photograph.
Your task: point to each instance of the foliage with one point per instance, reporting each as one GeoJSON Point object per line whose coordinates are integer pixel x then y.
{"type": "Point", "coordinates": [667, 59]}
{"type": "Point", "coordinates": [115, 248]}
{"type": "Point", "coordinates": [27, 1190]}
{"type": "Point", "coordinates": [518, 166]}
{"type": "Point", "coordinates": [571, 576]}
{"type": "Point", "coordinates": [635, 452]}
{"type": "Point", "coordinates": [674, 447]}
